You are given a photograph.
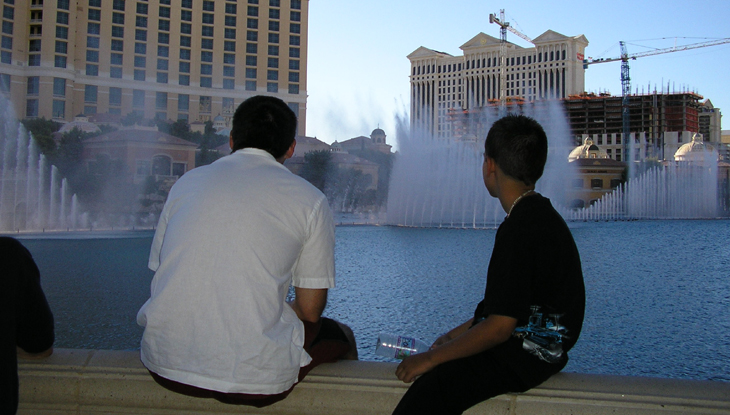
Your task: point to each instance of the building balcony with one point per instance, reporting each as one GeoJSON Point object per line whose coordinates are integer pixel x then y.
{"type": "Point", "coordinates": [115, 382]}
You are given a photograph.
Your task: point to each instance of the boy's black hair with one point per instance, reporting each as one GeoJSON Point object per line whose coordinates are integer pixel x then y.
{"type": "Point", "coordinates": [266, 123]}
{"type": "Point", "coordinates": [518, 145]}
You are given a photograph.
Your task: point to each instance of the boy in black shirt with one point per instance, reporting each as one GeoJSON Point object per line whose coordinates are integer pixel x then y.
{"type": "Point", "coordinates": [534, 302]}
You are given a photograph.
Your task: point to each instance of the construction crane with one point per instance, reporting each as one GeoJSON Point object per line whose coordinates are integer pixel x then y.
{"type": "Point", "coordinates": [626, 78]}
{"type": "Point", "coordinates": [504, 27]}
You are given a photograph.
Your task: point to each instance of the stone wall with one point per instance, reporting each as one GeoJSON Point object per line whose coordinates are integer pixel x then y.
{"type": "Point", "coordinates": [94, 382]}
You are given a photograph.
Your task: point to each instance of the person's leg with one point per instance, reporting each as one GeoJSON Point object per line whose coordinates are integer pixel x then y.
{"type": "Point", "coordinates": [453, 387]}
{"type": "Point", "coordinates": [325, 341]}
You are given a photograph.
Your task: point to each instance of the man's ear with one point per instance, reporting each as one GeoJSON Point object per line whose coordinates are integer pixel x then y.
{"type": "Point", "coordinates": [290, 152]}
{"type": "Point", "coordinates": [230, 140]}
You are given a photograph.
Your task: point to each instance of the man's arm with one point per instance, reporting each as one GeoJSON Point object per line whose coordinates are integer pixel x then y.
{"type": "Point", "coordinates": [309, 303]}
{"type": "Point", "coordinates": [486, 334]}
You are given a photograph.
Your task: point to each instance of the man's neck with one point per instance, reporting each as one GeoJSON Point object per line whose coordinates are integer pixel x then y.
{"type": "Point", "coordinates": [512, 193]}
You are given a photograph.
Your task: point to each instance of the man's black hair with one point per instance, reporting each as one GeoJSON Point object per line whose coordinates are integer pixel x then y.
{"type": "Point", "coordinates": [518, 145]}
{"type": "Point", "coordinates": [266, 123]}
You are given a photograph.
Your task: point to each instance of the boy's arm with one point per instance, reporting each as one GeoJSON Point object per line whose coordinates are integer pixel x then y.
{"type": "Point", "coordinates": [486, 334]}
{"type": "Point", "coordinates": [309, 303]}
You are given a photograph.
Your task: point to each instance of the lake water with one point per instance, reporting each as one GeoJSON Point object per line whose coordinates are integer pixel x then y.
{"type": "Point", "coordinates": [658, 292]}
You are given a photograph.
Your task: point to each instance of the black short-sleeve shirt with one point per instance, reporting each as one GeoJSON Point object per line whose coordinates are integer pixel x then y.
{"type": "Point", "coordinates": [535, 265]}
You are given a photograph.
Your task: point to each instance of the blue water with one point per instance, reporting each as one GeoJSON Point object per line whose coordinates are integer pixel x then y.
{"type": "Point", "coordinates": [658, 292]}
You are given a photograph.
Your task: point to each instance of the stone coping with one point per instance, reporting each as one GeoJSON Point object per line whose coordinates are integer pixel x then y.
{"type": "Point", "coordinates": [74, 381]}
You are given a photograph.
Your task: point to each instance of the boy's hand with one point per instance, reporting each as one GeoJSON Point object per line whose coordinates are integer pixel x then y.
{"type": "Point", "coordinates": [444, 338]}
{"type": "Point", "coordinates": [413, 366]}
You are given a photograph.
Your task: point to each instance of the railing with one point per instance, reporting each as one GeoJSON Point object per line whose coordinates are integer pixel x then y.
{"type": "Point", "coordinates": [115, 382]}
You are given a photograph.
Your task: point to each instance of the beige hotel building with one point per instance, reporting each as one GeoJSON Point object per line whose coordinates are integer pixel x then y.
{"type": "Point", "coordinates": [166, 59]}
{"type": "Point", "coordinates": [443, 85]}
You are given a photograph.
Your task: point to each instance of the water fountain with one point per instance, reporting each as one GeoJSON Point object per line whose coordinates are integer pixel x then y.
{"type": "Point", "coordinates": [438, 182]}
{"type": "Point", "coordinates": [33, 195]}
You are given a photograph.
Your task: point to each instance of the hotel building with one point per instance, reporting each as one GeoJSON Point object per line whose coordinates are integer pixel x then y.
{"type": "Point", "coordinates": [442, 84]}
{"type": "Point", "coordinates": [166, 59]}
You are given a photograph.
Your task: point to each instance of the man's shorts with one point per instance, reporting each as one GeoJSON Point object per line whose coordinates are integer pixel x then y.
{"type": "Point", "coordinates": [324, 341]}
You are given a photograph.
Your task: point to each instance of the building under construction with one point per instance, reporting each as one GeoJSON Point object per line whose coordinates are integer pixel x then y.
{"type": "Point", "coordinates": [660, 122]}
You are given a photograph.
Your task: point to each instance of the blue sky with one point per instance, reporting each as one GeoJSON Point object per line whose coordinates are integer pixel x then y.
{"type": "Point", "coordinates": [358, 70]}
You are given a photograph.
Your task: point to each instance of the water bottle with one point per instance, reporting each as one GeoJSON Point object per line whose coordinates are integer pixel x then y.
{"type": "Point", "coordinates": [399, 347]}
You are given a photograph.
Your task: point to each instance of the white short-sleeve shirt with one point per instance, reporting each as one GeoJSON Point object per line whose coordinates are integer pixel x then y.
{"type": "Point", "coordinates": [232, 237]}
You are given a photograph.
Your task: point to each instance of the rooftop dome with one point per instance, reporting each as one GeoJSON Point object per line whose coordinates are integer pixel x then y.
{"type": "Point", "coordinates": [696, 150]}
{"type": "Point", "coordinates": [587, 151]}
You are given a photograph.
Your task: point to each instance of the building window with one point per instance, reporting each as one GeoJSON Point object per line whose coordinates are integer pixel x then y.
{"type": "Point", "coordinates": [138, 98]}
{"type": "Point", "coordinates": [165, 12]}
{"type": "Point", "coordinates": [140, 48]}
{"type": "Point", "coordinates": [63, 4]}
{"type": "Point", "coordinates": [178, 169]}
{"type": "Point", "coordinates": [33, 85]}
{"type": "Point", "coordinates": [229, 71]}
{"type": "Point", "coordinates": [228, 83]}
{"type": "Point", "coordinates": [293, 76]}
{"type": "Point", "coordinates": [251, 73]}
{"type": "Point", "coordinates": [186, 28]}
{"type": "Point", "coordinates": [59, 87]}
{"type": "Point", "coordinates": [185, 41]}
{"type": "Point", "coordinates": [118, 5]}
{"type": "Point", "coordinates": [161, 165]}
{"type": "Point", "coordinates": [206, 69]}
{"type": "Point", "coordinates": [272, 87]}
{"type": "Point", "coordinates": [231, 8]}
{"type": "Point", "coordinates": [250, 60]}
{"type": "Point", "coordinates": [229, 46]}
{"type": "Point", "coordinates": [252, 23]}
{"type": "Point", "coordinates": [274, 3]}
{"type": "Point", "coordinates": [185, 54]}
{"type": "Point", "coordinates": [273, 38]}
{"type": "Point", "coordinates": [188, 4]}
{"type": "Point", "coordinates": [204, 104]}
{"type": "Point", "coordinates": [139, 75]}
{"type": "Point", "coordinates": [293, 64]}
{"type": "Point", "coordinates": [161, 77]}
{"type": "Point", "coordinates": [207, 31]}
{"type": "Point", "coordinates": [95, 14]}
{"type": "Point", "coordinates": [6, 57]}
{"type": "Point", "coordinates": [89, 109]}
{"type": "Point", "coordinates": [59, 61]}
{"type": "Point", "coordinates": [34, 60]}
{"type": "Point", "coordinates": [229, 33]}
{"type": "Point", "coordinates": [7, 27]}
{"type": "Point", "coordinates": [294, 107]}
{"type": "Point", "coordinates": [140, 61]}
{"type": "Point", "coordinates": [206, 82]}
{"type": "Point", "coordinates": [59, 109]}
{"type": "Point", "coordinates": [184, 80]}
{"type": "Point", "coordinates": [295, 28]}
{"type": "Point", "coordinates": [294, 40]}
{"type": "Point", "coordinates": [92, 42]}
{"type": "Point", "coordinates": [206, 56]}
{"type": "Point", "coordinates": [4, 82]}
{"type": "Point", "coordinates": [118, 18]}
{"type": "Point", "coordinates": [597, 183]}
{"type": "Point", "coordinates": [163, 38]}
{"type": "Point", "coordinates": [186, 15]}
{"type": "Point", "coordinates": [208, 5]}
{"type": "Point", "coordinates": [252, 36]}
{"type": "Point", "coordinates": [250, 85]}
{"type": "Point", "coordinates": [184, 67]}
{"type": "Point", "coordinates": [252, 11]}
{"type": "Point", "coordinates": [115, 72]}
{"type": "Point", "coordinates": [273, 50]}
{"type": "Point", "coordinates": [208, 18]}
{"type": "Point", "coordinates": [296, 16]}
{"type": "Point", "coordinates": [92, 56]}
{"type": "Point", "coordinates": [230, 21]}
{"type": "Point", "coordinates": [274, 14]}
{"type": "Point", "coordinates": [117, 45]}
{"type": "Point", "coordinates": [294, 52]}
{"type": "Point", "coordinates": [115, 96]}
{"type": "Point", "coordinates": [141, 21]}
{"type": "Point", "coordinates": [206, 44]}
{"type": "Point", "coordinates": [272, 75]}
{"type": "Point", "coordinates": [139, 34]}
{"type": "Point", "coordinates": [183, 102]}
{"type": "Point", "coordinates": [92, 70]}
{"type": "Point", "coordinates": [163, 51]}
{"type": "Point", "coordinates": [62, 32]}
{"type": "Point", "coordinates": [161, 100]}
{"type": "Point", "coordinates": [62, 18]}
{"type": "Point", "coordinates": [31, 108]}
{"type": "Point", "coordinates": [293, 88]}
{"type": "Point", "coordinates": [90, 93]}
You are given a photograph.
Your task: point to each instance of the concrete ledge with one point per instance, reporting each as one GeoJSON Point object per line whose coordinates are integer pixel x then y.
{"type": "Point", "coordinates": [115, 382]}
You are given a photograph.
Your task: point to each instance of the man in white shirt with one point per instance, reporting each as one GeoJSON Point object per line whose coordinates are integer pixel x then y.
{"type": "Point", "coordinates": [232, 238]}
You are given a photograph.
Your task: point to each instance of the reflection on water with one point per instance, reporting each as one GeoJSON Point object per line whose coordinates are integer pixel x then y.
{"type": "Point", "coordinates": [658, 292]}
